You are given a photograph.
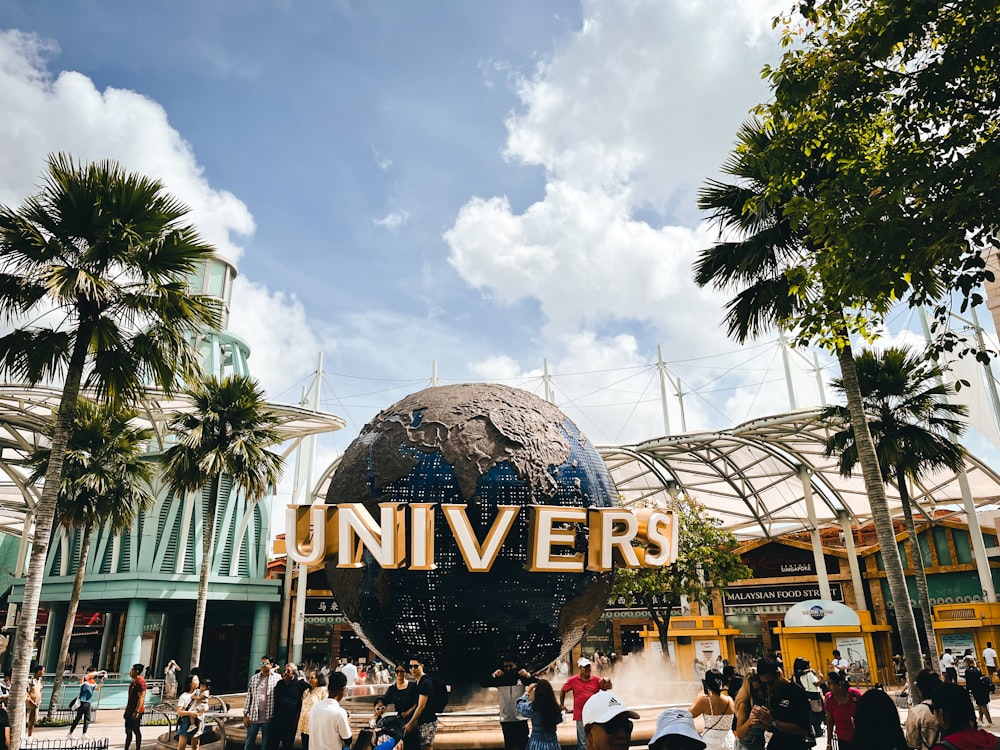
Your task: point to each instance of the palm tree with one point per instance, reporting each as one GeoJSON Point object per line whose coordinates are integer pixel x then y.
{"type": "Point", "coordinates": [913, 425]}
{"type": "Point", "coordinates": [104, 484]}
{"type": "Point", "coordinates": [767, 264]}
{"type": "Point", "coordinates": [228, 432]}
{"type": "Point", "coordinates": [93, 278]}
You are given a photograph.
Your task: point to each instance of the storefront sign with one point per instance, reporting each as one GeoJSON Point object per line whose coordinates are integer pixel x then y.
{"type": "Point", "coordinates": [748, 596]}
{"type": "Point", "coordinates": [820, 613]}
{"type": "Point", "coordinates": [780, 560]}
{"type": "Point", "coordinates": [321, 606]}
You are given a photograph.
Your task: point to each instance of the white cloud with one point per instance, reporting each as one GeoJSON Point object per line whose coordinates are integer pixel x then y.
{"type": "Point", "coordinates": [283, 345]}
{"type": "Point", "coordinates": [44, 114]}
{"type": "Point", "coordinates": [631, 113]}
{"type": "Point", "coordinates": [393, 221]}
{"type": "Point", "coordinates": [382, 161]}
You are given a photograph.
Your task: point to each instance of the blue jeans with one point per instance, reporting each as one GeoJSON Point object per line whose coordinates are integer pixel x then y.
{"type": "Point", "coordinates": [581, 736]}
{"type": "Point", "coordinates": [252, 729]}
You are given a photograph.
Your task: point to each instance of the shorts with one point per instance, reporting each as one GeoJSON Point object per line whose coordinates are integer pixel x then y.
{"type": "Point", "coordinates": [31, 713]}
{"type": "Point", "coordinates": [428, 732]}
{"type": "Point", "coordinates": [183, 726]}
{"type": "Point", "coordinates": [132, 720]}
{"type": "Point", "coordinates": [992, 670]}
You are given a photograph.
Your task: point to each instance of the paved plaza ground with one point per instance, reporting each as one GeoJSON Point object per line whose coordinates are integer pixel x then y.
{"type": "Point", "coordinates": [109, 724]}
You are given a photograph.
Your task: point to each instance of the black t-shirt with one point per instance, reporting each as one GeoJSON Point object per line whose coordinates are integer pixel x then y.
{"type": "Point", "coordinates": [426, 687]}
{"type": "Point", "coordinates": [288, 700]}
{"type": "Point", "coordinates": [789, 702]}
{"type": "Point", "coordinates": [401, 699]}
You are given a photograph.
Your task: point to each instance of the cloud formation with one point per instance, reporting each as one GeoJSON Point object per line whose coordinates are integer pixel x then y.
{"type": "Point", "coordinates": [45, 114]}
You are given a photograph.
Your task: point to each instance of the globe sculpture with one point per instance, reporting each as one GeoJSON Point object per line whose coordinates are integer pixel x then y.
{"type": "Point", "coordinates": [483, 446]}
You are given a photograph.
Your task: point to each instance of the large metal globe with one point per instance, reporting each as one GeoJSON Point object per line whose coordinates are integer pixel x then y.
{"type": "Point", "coordinates": [484, 446]}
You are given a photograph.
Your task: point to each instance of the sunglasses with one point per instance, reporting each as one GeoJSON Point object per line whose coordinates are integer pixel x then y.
{"type": "Point", "coordinates": [400, 671]}
{"type": "Point", "coordinates": [414, 666]}
{"type": "Point", "coordinates": [620, 723]}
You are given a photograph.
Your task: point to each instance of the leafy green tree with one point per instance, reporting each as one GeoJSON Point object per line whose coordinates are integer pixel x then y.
{"type": "Point", "coordinates": [228, 431]}
{"type": "Point", "coordinates": [902, 99]}
{"type": "Point", "coordinates": [93, 279]}
{"type": "Point", "coordinates": [914, 427]}
{"type": "Point", "coordinates": [706, 562]}
{"type": "Point", "coordinates": [769, 257]}
{"type": "Point", "coordinates": [105, 483]}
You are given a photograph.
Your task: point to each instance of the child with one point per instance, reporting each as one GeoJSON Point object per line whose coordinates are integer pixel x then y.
{"type": "Point", "coordinates": [199, 705]}
{"type": "Point", "coordinates": [365, 738]}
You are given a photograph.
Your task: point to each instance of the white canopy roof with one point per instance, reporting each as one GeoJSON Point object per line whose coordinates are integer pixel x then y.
{"type": "Point", "coordinates": [23, 412]}
{"type": "Point", "coordinates": [750, 476]}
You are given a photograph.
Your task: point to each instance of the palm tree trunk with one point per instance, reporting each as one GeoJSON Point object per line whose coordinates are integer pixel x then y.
{"type": "Point", "coordinates": [74, 603]}
{"type": "Point", "coordinates": [906, 625]}
{"type": "Point", "coordinates": [206, 561]}
{"type": "Point", "coordinates": [920, 574]}
{"type": "Point", "coordinates": [44, 517]}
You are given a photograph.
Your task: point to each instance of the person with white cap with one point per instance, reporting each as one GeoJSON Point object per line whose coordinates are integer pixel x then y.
{"type": "Point", "coordinates": [675, 731]}
{"type": "Point", "coordinates": [607, 722]}
{"type": "Point", "coordinates": [583, 686]}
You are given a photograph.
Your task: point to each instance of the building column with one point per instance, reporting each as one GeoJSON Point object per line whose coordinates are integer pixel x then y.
{"type": "Point", "coordinates": [259, 638]}
{"type": "Point", "coordinates": [53, 636]}
{"type": "Point", "coordinates": [135, 623]}
{"type": "Point", "coordinates": [109, 628]}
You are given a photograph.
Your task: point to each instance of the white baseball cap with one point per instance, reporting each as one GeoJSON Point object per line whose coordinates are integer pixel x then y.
{"type": "Point", "coordinates": [604, 706]}
{"type": "Point", "coordinates": [583, 662]}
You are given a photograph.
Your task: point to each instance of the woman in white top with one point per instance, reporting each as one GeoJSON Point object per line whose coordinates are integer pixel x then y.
{"type": "Point", "coordinates": [185, 715]}
{"type": "Point", "coordinates": [717, 711]}
{"type": "Point", "coordinates": [317, 691]}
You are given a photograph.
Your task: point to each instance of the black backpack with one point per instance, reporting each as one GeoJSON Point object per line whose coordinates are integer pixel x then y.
{"type": "Point", "coordinates": [439, 700]}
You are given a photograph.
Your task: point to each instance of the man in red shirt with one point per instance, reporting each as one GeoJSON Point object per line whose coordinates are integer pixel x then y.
{"type": "Point", "coordinates": [135, 706]}
{"type": "Point", "coordinates": [582, 686]}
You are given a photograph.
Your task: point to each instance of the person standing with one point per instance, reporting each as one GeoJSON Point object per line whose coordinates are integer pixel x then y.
{"type": "Point", "coordinates": [947, 662]}
{"type": "Point", "coordinates": [186, 714]}
{"type": "Point", "coordinates": [957, 718]}
{"type": "Point", "coordinates": [135, 706]}
{"type": "Point", "coordinates": [34, 698]}
{"type": "Point", "coordinates": [718, 710]}
{"type": "Point", "coordinates": [922, 728]}
{"type": "Point", "coordinates": [259, 705]}
{"type": "Point", "coordinates": [328, 725]}
{"type": "Point", "coordinates": [317, 691]}
{"type": "Point", "coordinates": [583, 686]}
{"type": "Point", "coordinates": [876, 722]}
{"type": "Point", "coordinates": [979, 686]}
{"type": "Point", "coordinates": [510, 683]}
{"type": "Point", "coordinates": [749, 731]}
{"type": "Point", "coordinates": [675, 731]}
{"type": "Point", "coordinates": [288, 693]}
{"type": "Point", "coordinates": [539, 704]}
{"type": "Point", "coordinates": [88, 684]}
{"type": "Point", "coordinates": [838, 663]}
{"type": "Point", "coordinates": [607, 722]}
{"type": "Point", "coordinates": [401, 695]}
{"type": "Point", "coordinates": [840, 704]}
{"type": "Point", "coordinates": [786, 714]}
{"type": "Point", "coordinates": [423, 718]}
{"type": "Point", "coordinates": [170, 680]}
{"type": "Point", "coordinates": [350, 672]}
{"type": "Point", "coordinates": [990, 659]}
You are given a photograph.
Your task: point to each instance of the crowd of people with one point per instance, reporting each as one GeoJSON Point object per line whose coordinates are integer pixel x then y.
{"type": "Point", "coordinates": [763, 709]}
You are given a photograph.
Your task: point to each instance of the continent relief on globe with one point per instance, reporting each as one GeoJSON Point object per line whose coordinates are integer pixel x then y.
{"type": "Point", "coordinates": [483, 446]}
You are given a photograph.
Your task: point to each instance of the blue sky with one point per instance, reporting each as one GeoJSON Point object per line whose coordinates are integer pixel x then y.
{"type": "Point", "coordinates": [483, 185]}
